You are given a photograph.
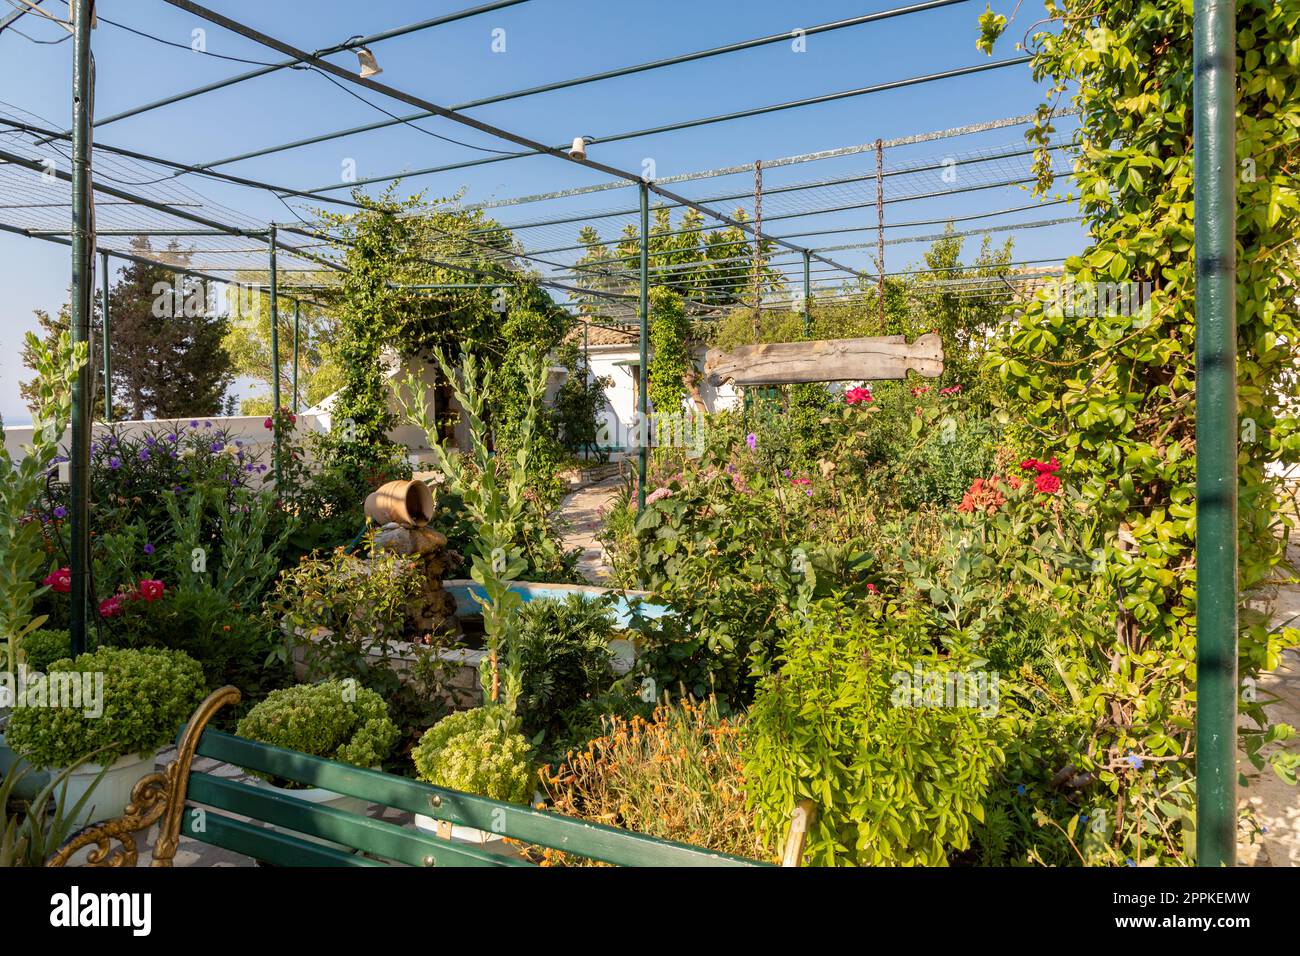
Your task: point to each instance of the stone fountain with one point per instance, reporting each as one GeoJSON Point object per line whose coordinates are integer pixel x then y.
{"type": "Point", "coordinates": [403, 509]}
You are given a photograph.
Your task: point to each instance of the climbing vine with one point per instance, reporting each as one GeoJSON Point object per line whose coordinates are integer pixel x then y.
{"type": "Point", "coordinates": [670, 363]}
{"type": "Point", "coordinates": [1104, 369]}
{"type": "Point", "coordinates": [424, 280]}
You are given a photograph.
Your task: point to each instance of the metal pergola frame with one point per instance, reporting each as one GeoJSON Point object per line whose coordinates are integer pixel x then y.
{"type": "Point", "coordinates": [1215, 200]}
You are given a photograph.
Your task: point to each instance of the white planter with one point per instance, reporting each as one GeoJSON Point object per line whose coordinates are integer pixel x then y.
{"type": "Point", "coordinates": [111, 794]}
{"type": "Point", "coordinates": [455, 831]}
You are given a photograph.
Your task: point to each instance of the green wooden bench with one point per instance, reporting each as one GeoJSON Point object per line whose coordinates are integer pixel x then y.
{"type": "Point", "coordinates": [209, 808]}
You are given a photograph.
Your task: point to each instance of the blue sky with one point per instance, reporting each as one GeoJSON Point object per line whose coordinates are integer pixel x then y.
{"type": "Point", "coordinates": [545, 40]}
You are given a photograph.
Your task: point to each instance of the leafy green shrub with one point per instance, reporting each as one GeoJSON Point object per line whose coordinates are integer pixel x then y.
{"type": "Point", "coordinates": [44, 646]}
{"type": "Point", "coordinates": [477, 751]}
{"type": "Point", "coordinates": [563, 650]}
{"type": "Point", "coordinates": [334, 720]}
{"type": "Point", "coordinates": [230, 644]}
{"type": "Point", "coordinates": [147, 695]}
{"type": "Point", "coordinates": [896, 779]}
{"type": "Point", "coordinates": [339, 609]}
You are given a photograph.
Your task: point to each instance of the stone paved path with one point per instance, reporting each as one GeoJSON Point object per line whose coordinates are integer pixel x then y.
{"type": "Point", "coordinates": [584, 511]}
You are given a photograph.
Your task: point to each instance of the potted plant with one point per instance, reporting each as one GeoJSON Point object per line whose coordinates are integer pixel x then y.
{"type": "Point", "coordinates": [336, 720]}
{"type": "Point", "coordinates": [476, 751]}
{"type": "Point", "coordinates": [122, 706]}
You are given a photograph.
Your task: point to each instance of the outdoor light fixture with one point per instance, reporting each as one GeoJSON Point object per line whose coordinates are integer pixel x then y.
{"type": "Point", "coordinates": [579, 150]}
{"type": "Point", "coordinates": [369, 67]}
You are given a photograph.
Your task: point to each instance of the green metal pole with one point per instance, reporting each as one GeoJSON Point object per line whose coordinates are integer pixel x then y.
{"type": "Point", "coordinates": [1215, 212]}
{"type": "Point", "coordinates": [83, 256]}
{"type": "Point", "coordinates": [807, 292]}
{"type": "Point", "coordinates": [108, 353]}
{"type": "Point", "coordinates": [297, 320]}
{"type": "Point", "coordinates": [275, 359]}
{"type": "Point", "coordinates": [643, 400]}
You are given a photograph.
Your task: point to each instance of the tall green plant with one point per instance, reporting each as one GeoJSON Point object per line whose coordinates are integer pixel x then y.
{"type": "Point", "coordinates": [494, 496]}
{"type": "Point", "coordinates": [21, 484]}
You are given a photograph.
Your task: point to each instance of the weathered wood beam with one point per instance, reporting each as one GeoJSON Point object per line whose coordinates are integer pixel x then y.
{"type": "Point", "coordinates": [829, 360]}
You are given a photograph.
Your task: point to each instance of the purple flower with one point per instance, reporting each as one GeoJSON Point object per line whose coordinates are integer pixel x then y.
{"type": "Point", "coordinates": [216, 446]}
{"type": "Point", "coordinates": [150, 441]}
{"type": "Point", "coordinates": [148, 548]}
{"type": "Point", "coordinates": [115, 463]}
{"type": "Point", "coordinates": [144, 454]}
{"type": "Point", "coordinates": [751, 440]}
{"type": "Point", "coordinates": [173, 437]}
{"type": "Point", "coordinates": [261, 468]}
{"type": "Point", "coordinates": [785, 472]}
{"type": "Point", "coordinates": [1134, 761]}
{"type": "Point", "coordinates": [177, 489]}
{"type": "Point", "coordinates": [60, 512]}
{"type": "Point", "coordinates": [194, 423]}
{"type": "Point", "coordinates": [207, 424]}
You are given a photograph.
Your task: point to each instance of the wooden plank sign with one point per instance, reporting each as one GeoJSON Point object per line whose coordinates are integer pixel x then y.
{"type": "Point", "coordinates": [827, 360]}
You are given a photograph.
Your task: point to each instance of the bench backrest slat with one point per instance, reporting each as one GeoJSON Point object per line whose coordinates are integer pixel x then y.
{"type": "Point", "coordinates": [592, 840]}
{"type": "Point", "coordinates": [354, 830]}
{"type": "Point", "coordinates": [262, 843]}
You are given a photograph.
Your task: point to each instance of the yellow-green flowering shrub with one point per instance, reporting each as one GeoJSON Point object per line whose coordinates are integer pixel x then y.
{"type": "Point", "coordinates": [147, 695]}
{"type": "Point", "coordinates": [477, 751]}
{"type": "Point", "coordinates": [336, 720]}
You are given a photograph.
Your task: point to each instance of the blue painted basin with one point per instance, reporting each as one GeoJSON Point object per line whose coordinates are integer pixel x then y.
{"type": "Point", "coordinates": [463, 589]}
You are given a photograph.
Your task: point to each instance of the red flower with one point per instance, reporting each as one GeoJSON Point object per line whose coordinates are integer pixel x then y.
{"type": "Point", "coordinates": [858, 396]}
{"type": "Point", "coordinates": [268, 423]}
{"type": "Point", "coordinates": [920, 389]}
{"type": "Point", "coordinates": [1048, 484]}
{"type": "Point", "coordinates": [950, 390]}
{"type": "Point", "coordinates": [111, 607]}
{"type": "Point", "coordinates": [801, 481]}
{"type": "Point", "coordinates": [60, 580]}
{"type": "Point", "coordinates": [150, 590]}
{"type": "Point", "coordinates": [872, 588]}
{"type": "Point", "coordinates": [1042, 467]}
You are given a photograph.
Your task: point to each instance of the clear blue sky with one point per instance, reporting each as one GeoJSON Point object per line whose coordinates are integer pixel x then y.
{"type": "Point", "coordinates": [546, 40]}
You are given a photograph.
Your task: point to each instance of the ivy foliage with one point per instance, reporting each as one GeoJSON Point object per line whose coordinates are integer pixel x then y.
{"type": "Point", "coordinates": [489, 305]}
{"type": "Point", "coordinates": [670, 342]}
{"type": "Point", "coordinates": [1111, 390]}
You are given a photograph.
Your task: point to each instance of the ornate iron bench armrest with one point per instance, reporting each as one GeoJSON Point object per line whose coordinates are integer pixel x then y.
{"type": "Point", "coordinates": [158, 798]}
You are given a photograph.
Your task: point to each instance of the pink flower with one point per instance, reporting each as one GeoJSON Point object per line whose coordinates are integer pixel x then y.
{"type": "Point", "coordinates": [268, 423]}
{"type": "Point", "coordinates": [150, 590]}
{"type": "Point", "coordinates": [60, 580]}
{"type": "Point", "coordinates": [111, 607]}
{"type": "Point", "coordinates": [659, 494]}
{"type": "Point", "coordinates": [951, 390]}
{"type": "Point", "coordinates": [920, 389]}
{"type": "Point", "coordinates": [858, 396]}
{"type": "Point", "coordinates": [801, 481]}
{"type": "Point", "coordinates": [872, 588]}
